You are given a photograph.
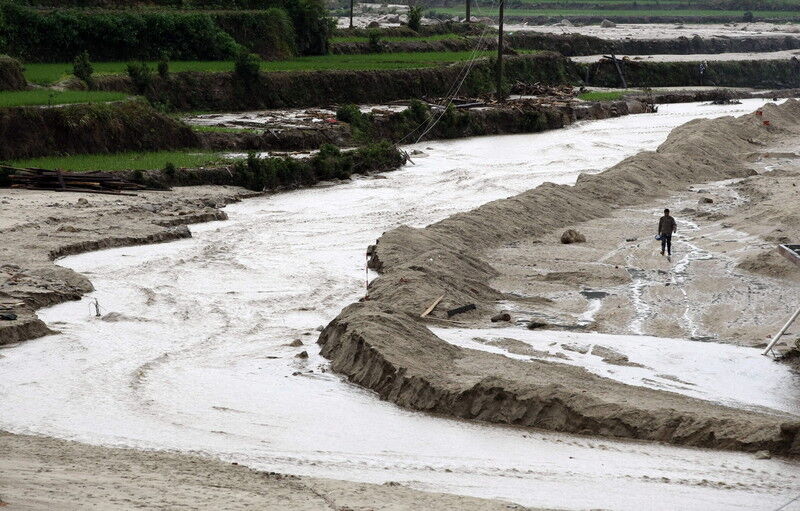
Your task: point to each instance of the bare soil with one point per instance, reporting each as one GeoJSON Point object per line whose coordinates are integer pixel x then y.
{"type": "Point", "coordinates": [39, 473]}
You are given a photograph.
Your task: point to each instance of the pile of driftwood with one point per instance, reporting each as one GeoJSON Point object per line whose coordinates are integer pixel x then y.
{"type": "Point", "coordinates": [538, 89]}
{"type": "Point", "coordinates": [87, 182]}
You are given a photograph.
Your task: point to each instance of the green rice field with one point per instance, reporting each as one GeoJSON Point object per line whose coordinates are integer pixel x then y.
{"type": "Point", "coordinates": [44, 74]}
{"type": "Point", "coordinates": [51, 97]}
{"type": "Point", "coordinates": [123, 161]}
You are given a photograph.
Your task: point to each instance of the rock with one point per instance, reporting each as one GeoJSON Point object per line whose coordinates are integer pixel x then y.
{"type": "Point", "coordinates": [83, 201]}
{"type": "Point", "coordinates": [608, 24]}
{"type": "Point", "coordinates": [533, 325]}
{"type": "Point", "coordinates": [762, 455]}
{"type": "Point", "coordinates": [572, 236]}
{"type": "Point", "coordinates": [373, 24]}
{"type": "Point", "coordinates": [296, 343]}
{"type": "Point", "coordinates": [566, 23]}
{"type": "Point", "coordinates": [320, 328]}
{"type": "Point", "coordinates": [503, 316]}
{"type": "Point", "coordinates": [302, 354]}
{"type": "Point", "coordinates": [706, 200]}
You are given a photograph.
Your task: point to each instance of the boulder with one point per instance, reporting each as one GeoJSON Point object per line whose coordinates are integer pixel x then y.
{"type": "Point", "coordinates": [572, 236]}
{"type": "Point", "coordinates": [608, 24]}
{"type": "Point", "coordinates": [503, 316]}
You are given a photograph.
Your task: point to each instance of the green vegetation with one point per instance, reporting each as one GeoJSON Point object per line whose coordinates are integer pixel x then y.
{"type": "Point", "coordinates": [45, 74]}
{"type": "Point", "coordinates": [329, 163]}
{"type": "Point", "coordinates": [286, 28]}
{"type": "Point", "coordinates": [82, 68]}
{"type": "Point", "coordinates": [602, 96]}
{"type": "Point", "coordinates": [50, 97]}
{"type": "Point", "coordinates": [123, 161]}
{"type": "Point", "coordinates": [61, 35]}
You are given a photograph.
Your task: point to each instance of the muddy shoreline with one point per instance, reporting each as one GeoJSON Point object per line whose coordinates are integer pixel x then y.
{"type": "Point", "coordinates": [46, 473]}
{"type": "Point", "coordinates": [382, 344]}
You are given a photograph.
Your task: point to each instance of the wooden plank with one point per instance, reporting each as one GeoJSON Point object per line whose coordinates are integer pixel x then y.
{"type": "Point", "coordinates": [432, 306]}
{"type": "Point", "coordinates": [790, 252]}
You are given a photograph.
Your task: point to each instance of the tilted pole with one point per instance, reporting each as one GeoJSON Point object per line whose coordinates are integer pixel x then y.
{"type": "Point", "coordinates": [468, 8]}
{"type": "Point", "coordinates": [500, 54]}
{"type": "Point", "coordinates": [351, 13]}
{"type": "Point", "coordinates": [777, 338]}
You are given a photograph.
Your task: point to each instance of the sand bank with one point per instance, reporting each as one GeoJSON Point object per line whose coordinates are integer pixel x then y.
{"type": "Point", "coordinates": [382, 344]}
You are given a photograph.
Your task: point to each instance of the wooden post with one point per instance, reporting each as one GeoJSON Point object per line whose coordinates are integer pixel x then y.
{"type": "Point", "coordinates": [500, 54]}
{"type": "Point", "coordinates": [351, 13]}
{"type": "Point", "coordinates": [619, 71]}
{"type": "Point", "coordinates": [468, 8]}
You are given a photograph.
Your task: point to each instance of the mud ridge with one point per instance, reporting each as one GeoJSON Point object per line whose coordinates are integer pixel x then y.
{"type": "Point", "coordinates": [30, 277]}
{"type": "Point", "coordinates": [382, 344]}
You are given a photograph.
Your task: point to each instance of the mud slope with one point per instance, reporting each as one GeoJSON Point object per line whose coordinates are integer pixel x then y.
{"type": "Point", "coordinates": [383, 345]}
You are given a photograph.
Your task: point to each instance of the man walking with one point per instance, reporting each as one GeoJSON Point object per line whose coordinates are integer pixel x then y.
{"type": "Point", "coordinates": [666, 227]}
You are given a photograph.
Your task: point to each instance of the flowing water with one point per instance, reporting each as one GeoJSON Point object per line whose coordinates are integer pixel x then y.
{"type": "Point", "coordinates": [192, 352]}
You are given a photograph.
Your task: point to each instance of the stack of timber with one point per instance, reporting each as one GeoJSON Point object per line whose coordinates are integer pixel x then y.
{"type": "Point", "coordinates": [86, 182]}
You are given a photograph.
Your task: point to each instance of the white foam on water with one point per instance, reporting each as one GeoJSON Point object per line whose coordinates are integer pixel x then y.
{"type": "Point", "coordinates": [730, 375]}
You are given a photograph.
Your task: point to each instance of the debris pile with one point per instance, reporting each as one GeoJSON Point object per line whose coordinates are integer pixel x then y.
{"type": "Point", "coordinates": [88, 182]}
{"type": "Point", "coordinates": [539, 89]}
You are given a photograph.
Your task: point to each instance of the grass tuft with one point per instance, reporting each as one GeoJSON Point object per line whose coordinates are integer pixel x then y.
{"type": "Point", "coordinates": [51, 97]}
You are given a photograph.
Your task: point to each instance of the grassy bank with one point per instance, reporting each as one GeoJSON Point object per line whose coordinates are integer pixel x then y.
{"type": "Point", "coordinates": [44, 74]}
{"type": "Point", "coordinates": [123, 161]}
{"type": "Point", "coordinates": [602, 96]}
{"type": "Point", "coordinates": [51, 97]}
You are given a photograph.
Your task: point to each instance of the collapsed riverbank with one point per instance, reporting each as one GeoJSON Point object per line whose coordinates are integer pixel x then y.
{"type": "Point", "coordinates": [382, 344]}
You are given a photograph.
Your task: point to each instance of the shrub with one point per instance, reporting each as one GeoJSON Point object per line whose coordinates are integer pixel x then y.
{"type": "Point", "coordinates": [247, 67]}
{"type": "Point", "coordinates": [170, 170]}
{"type": "Point", "coordinates": [163, 66]}
{"type": "Point", "coordinates": [748, 17]}
{"type": "Point", "coordinates": [59, 35]}
{"type": "Point", "coordinates": [82, 67]}
{"type": "Point", "coordinates": [329, 163]}
{"type": "Point", "coordinates": [414, 17]}
{"type": "Point", "coordinates": [141, 76]}
{"type": "Point", "coordinates": [359, 122]}
{"type": "Point", "coordinates": [375, 43]}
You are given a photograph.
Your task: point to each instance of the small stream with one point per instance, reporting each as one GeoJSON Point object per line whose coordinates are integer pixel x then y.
{"type": "Point", "coordinates": [193, 351]}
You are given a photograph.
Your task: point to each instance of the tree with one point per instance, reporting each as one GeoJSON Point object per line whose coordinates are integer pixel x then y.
{"type": "Point", "coordinates": [82, 67]}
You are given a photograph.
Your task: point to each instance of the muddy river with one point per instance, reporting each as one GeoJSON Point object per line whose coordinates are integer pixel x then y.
{"type": "Point", "coordinates": [192, 352]}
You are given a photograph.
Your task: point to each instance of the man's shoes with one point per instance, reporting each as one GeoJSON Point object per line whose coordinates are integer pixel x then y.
{"type": "Point", "coordinates": [662, 252]}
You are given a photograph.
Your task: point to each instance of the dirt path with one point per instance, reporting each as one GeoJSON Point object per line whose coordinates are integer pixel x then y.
{"type": "Point", "coordinates": [39, 473]}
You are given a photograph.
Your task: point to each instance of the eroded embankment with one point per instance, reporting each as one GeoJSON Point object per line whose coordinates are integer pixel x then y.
{"type": "Point", "coordinates": [576, 44]}
{"type": "Point", "coordinates": [778, 74]}
{"type": "Point", "coordinates": [516, 116]}
{"type": "Point", "coordinates": [382, 344]}
{"type": "Point", "coordinates": [11, 77]}
{"type": "Point", "coordinates": [89, 128]}
{"type": "Point", "coordinates": [227, 91]}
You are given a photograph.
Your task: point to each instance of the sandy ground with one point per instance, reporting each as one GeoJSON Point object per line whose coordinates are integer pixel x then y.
{"type": "Point", "coordinates": [716, 57]}
{"type": "Point", "coordinates": [666, 31]}
{"type": "Point", "coordinates": [455, 259]}
{"type": "Point", "coordinates": [39, 473]}
{"type": "Point", "coordinates": [38, 227]}
{"type": "Point", "coordinates": [725, 281]}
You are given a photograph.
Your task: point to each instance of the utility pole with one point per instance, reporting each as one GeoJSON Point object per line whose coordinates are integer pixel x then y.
{"type": "Point", "coordinates": [500, 55]}
{"type": "Point", "coordinates": [351, 13]}
{"type": "Point", "coordinates": [468, 8]}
